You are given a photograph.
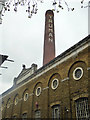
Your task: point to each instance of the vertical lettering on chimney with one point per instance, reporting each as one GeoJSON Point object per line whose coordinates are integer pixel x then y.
{"type": "Point", "coordinates": [49, 38]}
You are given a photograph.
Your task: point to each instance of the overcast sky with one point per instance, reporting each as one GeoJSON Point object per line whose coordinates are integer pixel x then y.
{"type": "Point", "coordinates": [22, 38]}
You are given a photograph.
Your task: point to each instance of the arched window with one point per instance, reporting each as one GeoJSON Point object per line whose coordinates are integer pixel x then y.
{"type": "Point", "coordinates": [14, 116]}
{"type": "Point", "coordinates": [37, 115]}
{"type": "Point", "coordinates": [56, 112]}
{"type": "Point", "coordinates": [16, 100]}
{"type": "Point", "coordinates": [25, 95]}
{"type": "Point", "coordinates": [38, 91]}
{"type": "Point", "coordinates": [82, 109]}
{"type": "Point", "coordinates": [8, 103]}
{"type": "Point", "coordinates": [77, 73]}
{"type": "Point", "coordinates": [24, 116]}
{"type": "Point", "coordinates": [55, 83]}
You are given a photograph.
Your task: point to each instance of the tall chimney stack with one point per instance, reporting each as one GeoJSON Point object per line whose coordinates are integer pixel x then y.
{"type": "Point", "coordinates": [49, 38]}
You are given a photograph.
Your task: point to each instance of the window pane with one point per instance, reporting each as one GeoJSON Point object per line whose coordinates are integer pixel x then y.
{"type": "Point", "coordinates": [56, 112]}
{"type": "Point", "coordinates": [37, 115]}
{"type": "Point", "coordinates": [82, 109]}
{"type": "Point", "coordinates": [24, 116]}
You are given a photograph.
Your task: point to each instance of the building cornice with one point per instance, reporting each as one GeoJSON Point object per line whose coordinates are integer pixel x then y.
{"type": "Point", "coordinates": [72, 51]}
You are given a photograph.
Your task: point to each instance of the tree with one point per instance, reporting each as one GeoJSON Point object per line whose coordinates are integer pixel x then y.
{"type": "Point", "coordinates": [32, 6]}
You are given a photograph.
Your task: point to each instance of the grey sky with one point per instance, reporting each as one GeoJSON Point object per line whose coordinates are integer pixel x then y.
{"type": "Point", "coordinates": [22, 38]}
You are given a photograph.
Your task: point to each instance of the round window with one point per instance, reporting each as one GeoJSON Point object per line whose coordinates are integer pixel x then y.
{"type": "Point", "coordinates": [77, 73]}
{"type": "Point", "coordinates": [25, 96]}
{"type": "Point", "coordinates": [54, 84]}
{"type": "Point", "coordinates": [16, 101]}
{"type": "Point", "coordinates": [38, 91]}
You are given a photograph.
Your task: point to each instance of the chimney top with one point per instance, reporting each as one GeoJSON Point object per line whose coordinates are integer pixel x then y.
{"type": "Point", "coordinates": [49, 12]}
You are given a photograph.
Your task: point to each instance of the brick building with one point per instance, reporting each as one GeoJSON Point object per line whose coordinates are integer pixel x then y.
{"type": "Point", "coordinates": [59, 89]}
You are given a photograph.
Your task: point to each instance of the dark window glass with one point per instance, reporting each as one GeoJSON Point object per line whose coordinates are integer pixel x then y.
{"type": "Point", "coordinates": [82, 109]}
{"type": "Point", "coordinates": [37, 115]}
{"type": "Point", "coordinates": [56, 112]}
{"type": "Point", "coordinates": [38, 91]}
{"type": "Point", "coordinates": [25, 96]}
{"type": "Point", "coordinates": [24, 116]}
{"type": "Point", "coordinates": [55, 83]}
{"type": "Point", "coordinates": [78, 73]}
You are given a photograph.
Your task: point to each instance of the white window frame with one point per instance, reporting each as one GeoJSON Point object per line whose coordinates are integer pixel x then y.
{"type": "Point", "coordinates": [54, 108]}
{"type": "Point", "coordinates": [24, 116]}
{"type": "Point", "coordinates": [8, 104]}
{"type": "Point", "coordinates": [75, 71]}
{"type": "Point", "coordinates": [37, 91]}
{"type": "Point", "coordinates": [26, 98]}
{"type": "Point", "coordinates": [82, 109]}
{"type": "Point", "coordinates": [16, 100]}
{"type": "Point", "coordinates": [37, 116]}
{"type": "Point", "coordinates": [53, 82]}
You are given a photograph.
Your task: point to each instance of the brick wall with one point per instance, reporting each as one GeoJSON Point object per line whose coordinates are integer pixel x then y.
{"type": "Point", "coordinates": [65, 95]}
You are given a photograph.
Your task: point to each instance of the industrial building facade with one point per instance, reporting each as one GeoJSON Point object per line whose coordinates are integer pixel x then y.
{"type": "Point", "coordinates": [59, 89]}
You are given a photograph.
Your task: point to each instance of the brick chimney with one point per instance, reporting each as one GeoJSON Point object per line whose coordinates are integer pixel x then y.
{"type": "Point", "coordinates": [49, 38]}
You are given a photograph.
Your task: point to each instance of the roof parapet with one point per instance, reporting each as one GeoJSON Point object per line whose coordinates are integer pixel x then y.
{"type": "Point", "coordinates": [26, 72]}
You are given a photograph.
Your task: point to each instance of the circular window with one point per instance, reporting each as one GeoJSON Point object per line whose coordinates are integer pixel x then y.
{"type": "Point", "coordinates": [16, 101]}
{"type": "Point", "coordinates": [54, 84]}
{"type": "Point", "coordinates": [38, 91]}
{"type": "Point", "coordinates": [25, 96]}
{"type": "Point", "coordinates": [77, 73]}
